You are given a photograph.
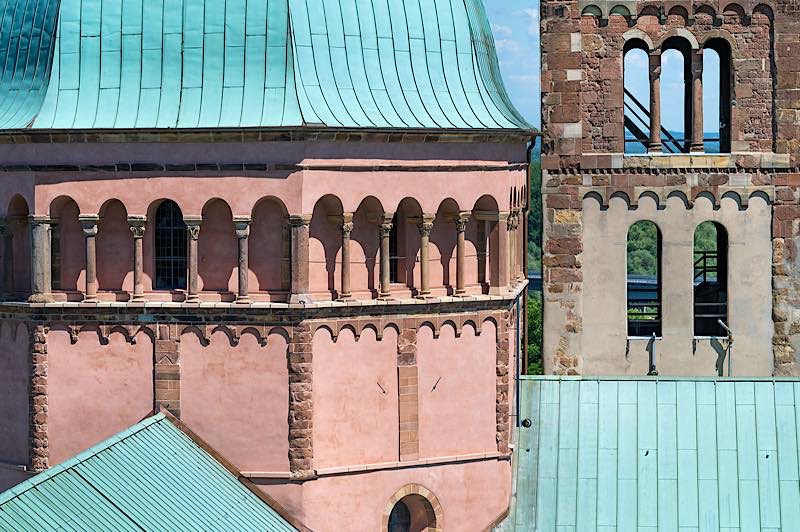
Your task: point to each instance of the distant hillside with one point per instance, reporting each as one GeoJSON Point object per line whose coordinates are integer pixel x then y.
{"type": "Point", "coordinates": [638, 148]}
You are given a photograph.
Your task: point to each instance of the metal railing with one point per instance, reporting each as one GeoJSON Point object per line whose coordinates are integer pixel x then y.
{"type": "Point", "coordinates": [671, 143]}
{"type": "Point", "coordinates": [705, 264]}
{"type": "Point", "coordinates": [644, 318]}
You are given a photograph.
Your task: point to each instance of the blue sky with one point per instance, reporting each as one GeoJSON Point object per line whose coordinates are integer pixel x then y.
{"type": "Point", "coordinates": [515, 24]}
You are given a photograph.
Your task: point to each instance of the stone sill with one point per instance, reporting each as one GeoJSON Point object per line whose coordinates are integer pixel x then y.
{"type": "Point", "coordinates": [13, 467]}
{"type": "Point", "coordinates": [513, 293]}
{"type": "Point", "coordinates": [413, 463]}
{"type": "Point", "coordinates": [661, 161]}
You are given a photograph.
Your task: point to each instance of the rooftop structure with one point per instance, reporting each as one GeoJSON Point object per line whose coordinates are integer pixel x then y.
{"type": "Point", "coordinates": [153, 476]}
{"type": "Point", "coordinates": [251, 63]}
{"type": "Point", "coordinates": [298, 226]}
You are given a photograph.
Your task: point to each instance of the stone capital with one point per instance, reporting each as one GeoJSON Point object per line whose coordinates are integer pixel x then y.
{"type": "Point", "coordinates": [137, 224]}
{"type": "Point", "coordinates": [242, 226]}
{"type": "Point", "coordinates": [39, 219]}
{"type": "Point", "coordinates": [89, 223]}
{"type": "Point", "coordinates": [347, 228]}
{"type": "Point", "coordinates": [425, 228]}
{"type": "Point", "coordinates": [193, 226]}
{"type": "Point", "coordinates": [299, 220]}
{"type": "Point", "coordinates": [386, 229]}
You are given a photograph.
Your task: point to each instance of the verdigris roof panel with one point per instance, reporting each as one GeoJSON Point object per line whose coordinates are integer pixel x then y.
{"type": "Point", "coordinates": [149, 477]}
{"type": "Point", "coordinates": [81, 64]}
{"type": "Point", "coordinates": [661, 454]}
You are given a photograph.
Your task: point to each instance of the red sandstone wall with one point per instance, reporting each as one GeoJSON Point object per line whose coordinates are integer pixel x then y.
{"type": "Point", "coordinates": [458, 367]}
{"type": "Point", "coordinates": [14, 381]}
{"type": "Point", "coordinates": [355, 399]}
{"type": "Point", "coordinates": [95, 391]}
{"type": "Point", "coordinates": [236, 398]}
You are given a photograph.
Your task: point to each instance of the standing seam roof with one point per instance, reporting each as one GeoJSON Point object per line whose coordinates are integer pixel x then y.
{"type": "Point", "coordinates": [149, 477]}
{"type": "Point", "coordinates": [82, 64]}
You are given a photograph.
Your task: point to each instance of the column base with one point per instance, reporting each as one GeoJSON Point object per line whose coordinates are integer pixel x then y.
{"type": "Point", "coordinates": [655, 148]}
{"type": "Point", "coordinates": [460, 292]}
{"type": "Point", "coordinates": [192, 299]}
{"type": "Point", "coordinates": [138, 298]}
{"type": "Point", "coordinates": [345, 297]}
{"type": "Point", "coordinates": [300, 298]}
{"type": "Point", "coordinates": [91, 300]}
{"type": "Point", "coordinates": [41, 298]}
{"type": "Point", "coordinates": [243, 300]}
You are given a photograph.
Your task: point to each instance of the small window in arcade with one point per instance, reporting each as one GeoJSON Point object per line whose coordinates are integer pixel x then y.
{"type": "Point", "coordinates": [644, 279]}
{"type": "Point", "coordinates": [710, 279]}
{"type": "Point", "coordinates": [170, 247]}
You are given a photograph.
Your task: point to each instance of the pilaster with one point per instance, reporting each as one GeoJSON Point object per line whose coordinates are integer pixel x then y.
{"type": "Point", "coordinates": [301, 402]}
{"type": "Point", "coordinates": [37, 407]}
{"type": "Point", "coordinates": [167, 375]}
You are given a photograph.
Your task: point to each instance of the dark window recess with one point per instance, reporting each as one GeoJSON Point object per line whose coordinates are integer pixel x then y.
{"type": "Point", "coordinates": [644, 280]}
{"type": "Point", "coordinates": [710, 280]}
{"type": "Point", "coordinates": [394, 259]}
{"type": "Point", "coordinates": [170, 247]}
{"type": "Point", "coordinates": [55, 256]}
{"type": "Point", "coordinates": [400, 518]}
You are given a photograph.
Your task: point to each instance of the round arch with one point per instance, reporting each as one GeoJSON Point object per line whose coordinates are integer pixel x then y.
{"type": "Point", "coordinates": [422, 505]}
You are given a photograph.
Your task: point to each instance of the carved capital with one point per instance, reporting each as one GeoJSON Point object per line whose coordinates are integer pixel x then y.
{"type": "Point", "coordinates": [386, 229]}
{"type": "Point", "coordinates": [242, 226]}
{"type": "Point", "coordinates": [462, 220]}
{"type": "Point", "coordinates": [35, 219]}
{"type": "Point", "coordinates": [89, 224]}
{"type": "Point", "coordinates": [138, 224]}
{"type": "Point", "coordinates": [347, 229]}
{"type": "Point", "coordinates": [193, 227]}
{"type": "Point", "coordinates": [425, 228]}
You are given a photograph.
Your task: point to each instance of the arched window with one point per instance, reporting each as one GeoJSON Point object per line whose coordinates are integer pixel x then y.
{"type": "Point", "coordinates": [170, 247]}
{"type": "Point", "coordinates": [676, 95]}
{"type": "Point", "coordinates": [710, 279]}
{"type": "Point", "coordinates": [717, 84]}
{"type": "Point", "coordinates": [637, 96]}
{"type": "Point", "coordinates": [644, 279]}
{"type": "Point", "coordinates": [400, 518]}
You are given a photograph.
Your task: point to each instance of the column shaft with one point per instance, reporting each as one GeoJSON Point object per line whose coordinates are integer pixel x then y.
{"type": "Point", "coordinates": [425, 227]}
{"type": "Point", "coordinates": [41, 287]}
{"type": "Point", "coordinates": [242, 226]}
{"type": "Point", "coordinates": [655, 145]}
{"type": "Point", "coordinates": [89, 224]}
{"type": "Point", "coordinates": [299, 226]}
{"type": "Point", "coordinates": [498, 254]}
{"type": "Point", "coordinates": [8, 262]}
{"type": "Point", "coordinates": [697, 102]}
{"type": "Point", "coordinates": [461, 231]}
{"type": "Point", "coordinates": [385, 232]}
{"type": "Point", "coordinates": [193, 236]}
{"type": "Point", "coordinates": [347, 229]}
{"type": "Point", "coordinates": [137, 228]}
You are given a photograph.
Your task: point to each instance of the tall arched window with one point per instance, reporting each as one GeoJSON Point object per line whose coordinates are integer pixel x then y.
{"type": "Point", "coordinates": [644, 279]}
{"type": "Point", "coordinates": [170, 247]}
{"type": "Point", "coordinates": [717, 84]}
{"type": "Point", "coordinates": [394, 258]}
{"type": "Point", "coordinates": [637, 96]}
{"type": "Point", "coordinates": [710, 279]}
{"type": "Point", "coordinates": [676, 95]}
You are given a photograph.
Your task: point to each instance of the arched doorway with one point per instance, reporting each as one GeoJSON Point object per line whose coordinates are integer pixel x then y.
{"type": "Point", "coordinates": [413, 509]}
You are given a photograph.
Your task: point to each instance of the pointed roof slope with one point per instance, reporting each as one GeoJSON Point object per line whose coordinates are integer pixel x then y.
{"type": "Point", "coordinates": [129, 64]}
{"type": "Point", "coordinates": [154, 476]}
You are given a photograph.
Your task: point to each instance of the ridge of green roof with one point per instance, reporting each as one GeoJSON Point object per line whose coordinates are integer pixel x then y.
{"type": "Point", "coordinates": [128, 64]}
{"type": "Point", "coordinates": [149, 476]}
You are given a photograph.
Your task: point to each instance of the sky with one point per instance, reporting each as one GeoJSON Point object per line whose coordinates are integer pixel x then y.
{"type": "Point", "coordinates": [515, 25]}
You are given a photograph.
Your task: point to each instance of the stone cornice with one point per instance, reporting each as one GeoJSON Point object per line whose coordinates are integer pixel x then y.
{"type": "Point", "coordinates": [296, 134]}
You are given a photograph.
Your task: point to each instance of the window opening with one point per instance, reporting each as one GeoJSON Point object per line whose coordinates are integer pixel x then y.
{"type": "Point", "coordinates": [636, 80]}
{"type": "Point", "coordinates": [717, 96]}
{"type": "Point", "coordinates": [394, 259]}
{"type": "Point", "coordinates": [400, 518]}
{"type": "Point", "coordinates": [170, 247]}
{"type": "Point", "coordinates": [710, 279]}
{"type": "Point", "coordinates": [676, 97]}
{"type": "Point", "coordinates": [644, 279]}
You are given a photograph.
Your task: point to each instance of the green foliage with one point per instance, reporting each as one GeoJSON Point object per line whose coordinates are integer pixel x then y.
{"type": "Point", "coordinates": [705, 237]}
{"type": "Point", "coordinates": [535, 218]}
{"type": "Point", "coordinates": [535, 334]}
{"type": "Point", "coordinates": [643, 249]}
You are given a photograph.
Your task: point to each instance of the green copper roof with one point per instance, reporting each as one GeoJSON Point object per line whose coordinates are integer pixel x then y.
{"type": "Point", "coordinates": [614, 454]}
{"type": "Point", "coordinates": [250, 63]}
{"type": "Point", "coordinates": [149, 477]}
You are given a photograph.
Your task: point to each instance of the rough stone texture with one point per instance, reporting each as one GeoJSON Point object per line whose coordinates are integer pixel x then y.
{"type": "Point", "coordinates": [301, 402]}
{"type": "Point", "coordinates": [507, 319]}
{"type": "Point", "coordinates": [583, 145]}
{"type": "Point", "coordinates": [40, 453]}
{"type": "Point", "coordinates": [167, 374]}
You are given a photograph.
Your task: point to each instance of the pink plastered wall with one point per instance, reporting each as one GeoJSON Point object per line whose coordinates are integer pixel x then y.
{"type": "Point", "coordinates": [462, 368]}
{"type": "Point", "coordinates": [236, 398]}
{"type": "Point", "coordinates": [472, 496]}
{"type": "Point", "coordinates": [355, 399]}
{"type": "Point", "coordinates": [94, 390]}
{"type": "Point", "coordinates": [15, 362]}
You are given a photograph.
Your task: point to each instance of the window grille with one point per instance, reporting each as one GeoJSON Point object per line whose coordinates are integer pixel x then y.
{"type": "Point", "coordinates": [170, 247]}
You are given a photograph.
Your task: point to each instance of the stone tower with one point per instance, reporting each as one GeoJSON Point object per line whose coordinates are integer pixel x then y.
{"type": "Point", "coordinates": [595, 187]}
